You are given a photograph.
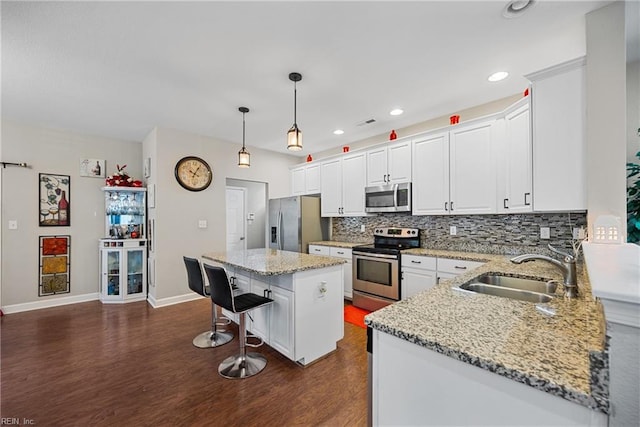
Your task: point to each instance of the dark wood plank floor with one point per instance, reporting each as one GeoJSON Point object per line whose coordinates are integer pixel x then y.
{"type": "Point", "coordinates": [91, 364]}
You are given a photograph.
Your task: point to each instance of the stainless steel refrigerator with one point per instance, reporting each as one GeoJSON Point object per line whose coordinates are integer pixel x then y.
{"type": "Point", "coordinates": [294, 222]}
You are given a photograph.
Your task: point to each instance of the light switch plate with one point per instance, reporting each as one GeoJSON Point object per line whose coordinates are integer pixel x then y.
{"type": "Point", "coordinates": [202, 223]}
{"type": "Point", "coordinates": [13, 224]}
{"type": "Point", "coordinates": [452, 230]}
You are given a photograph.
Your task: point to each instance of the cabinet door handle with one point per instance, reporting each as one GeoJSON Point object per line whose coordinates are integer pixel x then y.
{"type": "Point", "coordinates": [446, 206]}
{"type": "Point", "coordinates": [460, 267]}
{"type": "Point", "coordinates": [416, 262]}
{"type": "Point", "coordinates": [340, 253]}
{"type": "Point", "coordinates": [504, 203]}
{"type": "Point", "coordinates": [527, 203]}
{"type": "Point", "coordinates": [451, 206]}
{"type": "Point", "coordinates": [437, 280]}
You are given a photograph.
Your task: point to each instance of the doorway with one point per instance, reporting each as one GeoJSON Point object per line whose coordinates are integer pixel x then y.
{"type": "Point", "coordinates": [253, 220]}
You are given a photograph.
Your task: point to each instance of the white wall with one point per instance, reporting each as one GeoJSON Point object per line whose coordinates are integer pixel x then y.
{"type": "Point", "coordinates": [178, 211]}
{"type": "Point", "coordinates": [57, 152]}
{"type": "Point", "coordinates": [606, 114]}
{"type": "Point", "coordinates": [633, 111]}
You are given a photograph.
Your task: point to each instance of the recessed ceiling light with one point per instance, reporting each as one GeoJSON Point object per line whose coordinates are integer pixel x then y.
{"type": "Point", "coordinates": [496, 77]}
{"type": "Point", "coordinates": [516, 8]}
{"type": "Point", "coordinates": [396, 112]}
{"type": "Point", "coordinates": [338, 132]}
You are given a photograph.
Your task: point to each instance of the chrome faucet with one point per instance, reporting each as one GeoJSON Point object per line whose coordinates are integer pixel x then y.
{"type": "Point", "coordinates": [567, 266]}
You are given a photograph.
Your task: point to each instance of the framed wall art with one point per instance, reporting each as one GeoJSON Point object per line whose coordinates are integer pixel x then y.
{"type": "Point", "coordinates": [55, 200]}
{"type": "Point", "coordinates": [55, 265]}
{"type": "Point", "coordinates": [94, 168]}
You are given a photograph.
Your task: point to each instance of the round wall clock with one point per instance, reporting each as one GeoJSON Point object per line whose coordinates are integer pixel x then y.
{"type": "Point", "coordinates": [193, 173]}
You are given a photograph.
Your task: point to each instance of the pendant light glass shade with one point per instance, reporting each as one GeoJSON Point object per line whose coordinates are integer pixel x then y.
{"type": "Point", "coordinates": [294, 136]}
{"type": "Point", "coordinates": [244, 158]}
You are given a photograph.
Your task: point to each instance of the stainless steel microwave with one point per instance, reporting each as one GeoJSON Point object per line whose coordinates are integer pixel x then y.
{"type": "Point", "coordinates": [388, 198]}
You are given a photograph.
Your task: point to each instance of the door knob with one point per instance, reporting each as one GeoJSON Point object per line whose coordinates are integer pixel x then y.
{"type": "Point", "coordinates": [242, 238]}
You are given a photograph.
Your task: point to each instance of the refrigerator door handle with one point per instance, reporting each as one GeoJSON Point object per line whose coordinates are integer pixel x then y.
{"type": "Point", "coordinates": [281, 231]}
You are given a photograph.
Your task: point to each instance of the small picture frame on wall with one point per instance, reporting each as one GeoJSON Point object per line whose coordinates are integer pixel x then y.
{"type": "Point", "coordinates": [93, 168]}
{"type": "Point", "coordinates": [55, 200]}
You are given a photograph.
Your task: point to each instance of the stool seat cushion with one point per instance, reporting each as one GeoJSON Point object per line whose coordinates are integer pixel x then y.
{"type": "Point", "coordinates": [248, 301]}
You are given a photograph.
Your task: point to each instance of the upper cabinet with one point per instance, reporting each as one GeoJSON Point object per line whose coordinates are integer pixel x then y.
{"type": "Point", "coordinates": [343, 181]}
{"type": "Point", "coordinates": [389, 164]}
{"type": "Point", "coordinates": [305, 179]}
{"type": "Point", "coordinates": [454, 172]}
{"type": "Point", "coordinates": [514, 153]}
{"type": "Point", "coordinates": [559, 138]}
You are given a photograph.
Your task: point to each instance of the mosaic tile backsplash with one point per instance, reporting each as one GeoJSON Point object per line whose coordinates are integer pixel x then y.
{"type": "Point", "coordinates": [495, 234]}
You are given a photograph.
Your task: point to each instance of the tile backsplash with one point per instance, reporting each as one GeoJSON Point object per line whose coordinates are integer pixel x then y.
{"type": "Point", "coordinates": [496, 234]}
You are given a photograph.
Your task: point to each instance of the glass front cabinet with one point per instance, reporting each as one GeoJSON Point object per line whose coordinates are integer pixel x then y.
{"type": "Point", "coordinates": [123, 251]}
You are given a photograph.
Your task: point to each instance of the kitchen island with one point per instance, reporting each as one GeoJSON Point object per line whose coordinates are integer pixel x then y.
{"type": "Point", "coordinates": [305, 322]}
{"type": "Point", "coordinates": [450, 357]}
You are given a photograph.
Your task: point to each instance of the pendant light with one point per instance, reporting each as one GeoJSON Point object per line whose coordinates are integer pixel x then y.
{"type": "Point", "coordinates": [243, 155]}
{"type": "Point", "coordinates": [294, 136]}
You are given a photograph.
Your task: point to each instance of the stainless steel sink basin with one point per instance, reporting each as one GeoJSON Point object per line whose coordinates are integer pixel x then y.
{"type": "Point", "coordinates": [500, 291]}
{"type": "Point", "coordinates": [532, 290]}
{"type": "Point", "coordinates": [545, 287]}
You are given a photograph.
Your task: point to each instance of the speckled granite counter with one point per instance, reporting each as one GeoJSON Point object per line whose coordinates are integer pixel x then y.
{"type": "Point", "coordinates": [333, 244]}
{"type": "Point", "coordinates": [272, 262]}
{"type": "Point", "coordinates": [564, 355]}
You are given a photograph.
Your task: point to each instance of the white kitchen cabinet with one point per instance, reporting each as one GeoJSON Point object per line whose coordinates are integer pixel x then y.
{"type": "Point", "coordinates": [559, 137]}
{"type": "Point", "coordinates": [454, 172]}
{"type": "Point", "coordinates": [305, 179]}
{"type": "Point", "coordinates": [514, 164]}
{"type": "Point", "coordinates": [389, 164]}
{"type": "Point", "coordinates": [343, 253]}
{"type": "Point", "coordinates": [274, 322]}
{"type": "Point", "coordinates": [347, 269]}
{"type": "Point", "coordinates": [342, 190]}
{"type": "Point", "coordinates": [430, 192]}
{"type": "Point", "coordinates": [418, 274]}
{"type": "Point", "coordinates": [123, 264]}
{"type": "Point", "coordinates": [472, 182]}
{"type": "Point", "coordinates": [319, 250]}
{"type": "Point", "coordinates": [449, 268]}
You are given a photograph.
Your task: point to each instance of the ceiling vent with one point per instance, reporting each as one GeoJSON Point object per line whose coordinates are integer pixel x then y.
{"type": "Point", "coordinates": [366, 122]}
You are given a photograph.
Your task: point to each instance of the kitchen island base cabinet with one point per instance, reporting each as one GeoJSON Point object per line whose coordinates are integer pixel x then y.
{"type": "Point", "coordinates": [413, 385]}
{"type": "Point", "coordinates": [305, 321]}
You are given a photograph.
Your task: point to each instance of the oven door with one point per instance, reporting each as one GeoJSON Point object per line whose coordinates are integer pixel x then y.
{"type": "Point", "coordinates": [376, 274]}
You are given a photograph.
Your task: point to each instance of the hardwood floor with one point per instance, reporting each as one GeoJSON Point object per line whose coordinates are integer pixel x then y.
{"type": "Point", "coordinates": [91, 364]}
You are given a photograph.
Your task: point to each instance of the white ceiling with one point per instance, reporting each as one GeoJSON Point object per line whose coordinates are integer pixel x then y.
{"type": "Point", "coordinates": [118, 69]}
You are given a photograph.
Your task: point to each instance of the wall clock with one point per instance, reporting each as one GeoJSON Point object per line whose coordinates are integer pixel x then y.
{"type": "Point", "coordinates": [193, 173]}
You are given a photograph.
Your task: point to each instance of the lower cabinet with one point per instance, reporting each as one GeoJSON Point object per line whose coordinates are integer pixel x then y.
{"type": "Point", "coordinates": [450, 268]}
{"type": "Point", "coordinates": [343, 253]}
{"type": "Point", "coordinates": [274, 323]}
{"type": "Point", "coordinates": [123, 271]}
{"type": "Point", "coordinates": [418, 274]}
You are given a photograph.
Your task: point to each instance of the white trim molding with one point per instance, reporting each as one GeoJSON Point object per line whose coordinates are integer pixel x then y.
{"type": "Point", "coordinates": [163, 302]}
{"type": "Point", "coordinates": [37, 305]}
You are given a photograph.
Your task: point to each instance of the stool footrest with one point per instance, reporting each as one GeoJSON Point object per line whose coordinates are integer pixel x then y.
{"type": "Point", "coordinates": [252, 336]}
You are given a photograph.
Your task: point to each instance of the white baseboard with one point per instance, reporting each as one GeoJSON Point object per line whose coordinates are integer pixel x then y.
{"type": "Point", "coordinates": [55, 302]}
{"type": "Point", "coordinates": [28, 306]}
{"type": "Point", "coordinates": [163, 302]}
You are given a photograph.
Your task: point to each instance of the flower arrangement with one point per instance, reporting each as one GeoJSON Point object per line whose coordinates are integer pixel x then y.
{"type": "Point", "coordinates": [122, 179]}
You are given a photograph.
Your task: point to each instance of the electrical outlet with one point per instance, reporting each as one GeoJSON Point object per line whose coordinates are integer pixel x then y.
{"type": "Point", "coordinates": [578, 233]}
{"type": "Point", "coordinates": [545, 233]}
{"type": "Point", "coordinates": [362, 228]}
{"type": "Point", "coordinates": [452, 230]}
{"type": "Point", "coordinates": [13, 224]}
{"type": "Point", "coordinates": [202, 223]}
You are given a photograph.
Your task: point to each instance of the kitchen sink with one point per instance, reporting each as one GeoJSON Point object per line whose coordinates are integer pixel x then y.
{"type": "Point", "coordinates": [533, 285]}
{"type": "Point", "coordinates": [531, 290]}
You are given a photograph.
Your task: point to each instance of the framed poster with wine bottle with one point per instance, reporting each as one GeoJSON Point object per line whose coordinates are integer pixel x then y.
{"type": "Point", "coordinates": [55, 200]}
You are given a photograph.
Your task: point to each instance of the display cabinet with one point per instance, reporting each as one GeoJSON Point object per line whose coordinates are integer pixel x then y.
{"type": "Point", "coordinates": [123, 251]}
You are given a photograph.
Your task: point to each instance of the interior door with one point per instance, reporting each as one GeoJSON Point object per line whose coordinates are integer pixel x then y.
{"type": "Point", "coordinates": [236, 224]}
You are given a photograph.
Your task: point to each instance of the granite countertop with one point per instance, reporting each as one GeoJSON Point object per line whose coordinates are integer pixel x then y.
{"type": "Point", "coordinates": [272, 262]}
{"type": "Point", "coordinates": [334, 244]}
{"type": "Point", "coordinates": [564, 354]}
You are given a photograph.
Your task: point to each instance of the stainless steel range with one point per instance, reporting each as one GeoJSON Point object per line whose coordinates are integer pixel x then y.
{"type": "Point", "coordinates": [376, 267]}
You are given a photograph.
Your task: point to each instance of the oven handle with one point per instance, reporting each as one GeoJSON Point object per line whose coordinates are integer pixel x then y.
{"type": "Point", "coordinates": [369, 255]}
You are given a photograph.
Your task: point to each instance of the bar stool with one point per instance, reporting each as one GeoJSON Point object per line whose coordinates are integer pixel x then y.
{"type": "Point", "coordinates": [214, 337]}
{"type": "Point", "coordinates": [244, 364]}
